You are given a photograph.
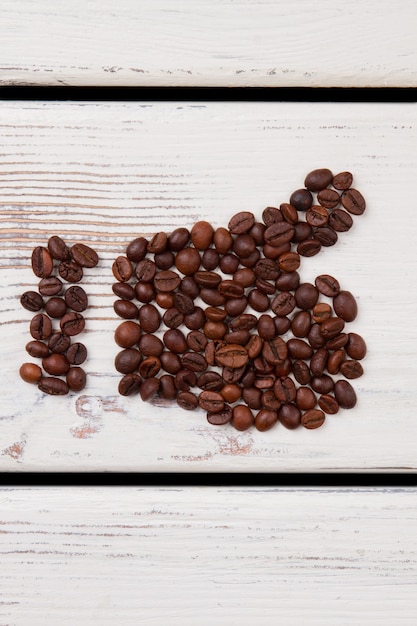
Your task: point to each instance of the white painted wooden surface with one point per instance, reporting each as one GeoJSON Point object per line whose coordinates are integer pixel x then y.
{"type": "Point", "coordinates": [209, 42]}
{"type": "Point", "coordinates": [207, 556]}
{"type": "Point", "coordinates": [104, 173]}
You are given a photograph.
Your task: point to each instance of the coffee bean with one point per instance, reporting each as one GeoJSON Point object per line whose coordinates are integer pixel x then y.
{"type": "Point", "coordinates": [314, 418]}
{"type": "Point", "coordinates": [164, 300]}
{"type": "Point", "coordinates": [301, 199]}
{"type": "Point", "coordinates": [149, 367]}
{"type": "Point", "coordinates": [279, 233]}
{"type": "Point", "coordinates": [353, 201]}
{"type": "Point", "coordinates": [306, 296]}
{"type": "Point", "coordinates": [194, 362]}
{"type": "Point", "coordinates": [178, 239]}
{"type": "Point", "coordinates": [335, 361]}
{"type": "Point", "coordinates": [289, 416]}
{"type": "Point", "coordinates": [149, 318]}
{"type": "Point", "coordinates": [301, 324]}
{"type": "Point", "coordinates": [37, 349]}
{"type": "Point", "coordinates": [321, 312]}
{"type": "Point", "coordinates": [206, 279]}
{"type": "Point", "coordinates": [328, 198]}
{"type": "Point", "coordinates": [318, 179]}
{"type": "Point", "coordinates": [164, 260]}
{"type": "Point", "coordinates": [166, 280]}
{"type": "Point", "coordinates": [210, 259]}
{"type": "Point", "coordinates": [301, 372]}
{"type": "Point", "coordinates": [345, 394]}
{"type": "Point", "coordinates": [211, 401]}
{"type": "Point", "coordinates": [175, 341]}
{"type": "Point", "coordinates": [355, 346]}
{"type": "Point", "coordinates": [266, 327]}
{"type": "Point", "coordinates": [30, 372]}
{"type": "Point", "coordinates": [84, 255]}
{"type": "Point", "coordinates": [212, 297]}
{"type": "Point", "coordinates": [327, 285]}
{"type": "Point", "coordinates": [325, 235]}
{"type": "Point", "coordinates": [287, 281]}
{"type": "Point", "coordinates": [289, 212]}
{"type": "Point", "coordinates": [241, 223]}
{"type": "Point", "coordinates": [197, 341]}
{"type": "Point", "coordinates": [202, 235]}
{"type": "Point", "coordinates": [257, 300]}
{"type": "Point", "coordinates": [285, 390]}
{"type": "Point", "coordinates": [136, 250]}
{"type": "Point", "coordinates": [187, 400]}
{"type": "Point", "coordinates": [345, 306]}
{"type": "Point", "coordinates": [158, 243]}
{"type": "Point", "coordinates": [56, 307]}
{"type": "Point", "coordinates": [302, 231]}
{"type": "Point", "coordinates": [53, 386]}
{"type": "Point", "coordinates": [72, 324]}
{"type": "Point", "coordinates": [318, 361]}
{"type": "Point", "coordinates": [126, 309]}
{"type": "Point", "coordinates": [76, 353]}
{"type": "Point", "coordinates": [55, 364]}
{"type": "Point", "coordinates": [299, 349]}
{"type": "Point", "coordinates": [265, 419]}
{"type": "Point", "coordinates": [289, 261]}
{"type": "Point", "coordinates": [170, 362]}
{"type": "Point", "coordinates": [41, 326]}
{"type": "Point", "coordinates": [229, 263]}
{"type": "Point", "coordinates": [127, 361]}
{"type": "Point", "coordinates": [59, 342]}
{"type": "Point", "coordinates": [340, 221]}
{"type": "Point", "coordinates": [342, 181]}
{"type": "Point", "coordinates": [317, 216]}
{"type": "Point", "coordinates": [322, 384]}
{"type": "Point", "coordinates": [283, 304]}
{"type": "Point", "coordinates": [305, 399]}
{"type": "Point", "coordinates": [328, 404]}
{"type": "Point", "coordinates": [173, 318]}
{"type": "Point", "coordinates": [149, 388]}
{"type": "Point", "coordinates": [50, 286]}
{"type": "Point", "coordinates": [144, 292]}
{"type": "Point", "coordinates": [309, 247]}
{"type": "Point", "coordinates": [232, 355]}
{"type": "Point", "coordinates": [221, 417]}
{"type": "Point", "coordinates": [331, 327]}
{"type": "Point", "coordinates": [244, 246]}
{"type": "Point", "coordinates": [58, 249]}
{"type": "Point", "coordinates": [242, 417]}
{"type": "Point", "coordinates": [188, 261]}
{"type": "Point", "coordinates": [195, 320]}
{"type": "Point", "coordinates": [246, 321]}
{"type": "Point", "coordinates": [272, 215]}
{"type": "Point", "coordinates": [351, 369]}
{"type": "Point", "coordinates": [42, 263]}
{"type": "Point", "coordinates": [76, 298]}
{"type": "Point", "coordinates": [76, 379]}
{"type": "Point", "coordinates": [150, 345]}
{"type": "Point", "coordinates": [31, 301]}
{"type": "Point", "coordinates": [210, 381]}
{"type": "Point", "coordinates": [122, 269]}
{"type": "Point", "coordinates": [215, 330]}
{"type": "Point", "coordinates": [129, 384]}
{"type": "Point", "coordinates": [167, 389]}
{"type": "Point", "coordinates": [70, 271]}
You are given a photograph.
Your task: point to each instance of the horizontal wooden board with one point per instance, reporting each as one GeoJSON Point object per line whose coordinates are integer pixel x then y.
{"type": "Point", "coordinates": [104, 173]}
{"type": "Point", "coordinates": [209, 43]}
{"type": "Point", "coordinates": [204, 555]}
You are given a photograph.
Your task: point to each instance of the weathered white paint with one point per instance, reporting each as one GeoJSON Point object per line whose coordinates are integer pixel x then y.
{"type": "Point", "coordinates": [208, 555]}
{"type": "Point", "coordinates": [209, 42]}
{"type": "Point", "coordinates": [104, 173]}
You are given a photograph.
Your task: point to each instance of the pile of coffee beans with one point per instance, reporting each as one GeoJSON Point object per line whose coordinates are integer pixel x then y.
{"type": "Point", "coordinates": [61, 357]}
{"type": "Point", "coordinates": [218, 318]}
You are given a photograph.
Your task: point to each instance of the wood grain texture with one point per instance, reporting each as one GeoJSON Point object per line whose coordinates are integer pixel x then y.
{"type": "Point", "coordinates": [104, 173]}
{"type": "Point", "coordinates": [209, 43]}
{"type": "Point", "coordinates": [207, 555]}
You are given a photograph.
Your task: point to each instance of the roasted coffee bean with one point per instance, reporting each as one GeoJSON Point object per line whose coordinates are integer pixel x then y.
{"type": "Point", "coordinates": [30, 372]}
{"type": "Point", "coordinates": [285, 390]}
{"type": "Point", "coordinates": [149, 318]}
{"type": "Point", "coordinates": [289, 416]}
{"type": "Point", "coordinates": [353, 201]}
{"type": "Point", "coordinates": [202, 235]}
{"type": "Point", "coordinates": [122, 269]}
{"type": "Point", "coordinates": [342, 181]}
{"type": "Point", "coordinates": [327, 285]}
{"type": "Point", "coordinates": [232, 356]}
{"type": "Point", "coordinates": [210, 259]}
{"type": "Point", "coordinates": [340, 221]}
{"type": "Point", "coordinates": [173, 318]}
{"type": "Point", "coordinates": [197, 341]}
{"type": "Point", "coordinates": [265, 419]}
{"type": "Point", "coordinates": [318, 361]}
{"type": "Point", "coordinates": [305, 398]}
{"type": "Point", "coordinates": [42, 262]}
{"type": "Point", "coordinates": [355, 346]}
{"type": "Point", "coordinates": [266, 327]}
{"type": "Point", "coordinates": [265, 287]}
{"type": "Point", "coordinates": [158, 243]}
{"type": "Point", "coordinates": [167, 388]}
{"type": "Point", "coordinates": [70, 271]}
{"type": "Point", "coordinates": [129, 384]}
{"type": "Point", "coordinates": [345, 306]}
{"type": "Point", "coordinates": [306, 296]}
{"type": "Point", "coordinates": [283, 368]}
{"type": "Point", "coordinates": [187, 400]}
{"type": "Point", "coordinates": [206, 279]}
{"type": "Point", "coordinates": [274, 252]}
{"type": "Point", "coordinates": [215, 330]}
{"type": "Point", "coordinates": [301, 324]}
{"type": "Point", "coordinates": [315, 338]}
{"type": "Point", "coordinates": [272, 215]}
{"type": "Point", "coordinates": [194, 362]}
{"type": "Point", "coordinates": [127, 361]}
{"type": "Point", "coordinates": [76, 298]}
{"type": "Point", "coordinates": [59, 342]}
{"type": "Point", "coordinates": [189, 287]}
{"type": "Point", "coordinates": [221, 417]}
{"type": "Point", "coordinates": [149, 367]}
{"type": "Point", "coordinates": [195, 320]}
{"type": "Point", "coordinates": [351, 369]}
{"type": "Point", "coordinates": [317, 216]}
{"type": "Point", "coordinates": [50, 286]}
{"type": "Point", "coordinates": [289, 212]}
{"type": "Point", "coordinates": [337, 342]}
{"type": "Point", "coordinates": [127, 334]}
{"type": "Point", "coordinates": [314, 418]}
{"type": "Point", "coordinates": [299, 349]}
{"type": "Point", "coordinates": [212, 297]}
{"type": "Point", "coordinates": [309, 247]}
{"type": "Point", "coordinates": [301, 199]}
{"type": "Point", "coordinates": [231, 392]}
{"type": "Point", "coordinates": [322, 384]}
{"type": "Point", "coordinates": [230, 289]}
{"type": "Point", "coordinates": [76, 353]}
{"type": "Point", "coordinates": [40, 326]}
{"type": "Point", "coordinates": [229, 263]}
{"type": "Point", "coordinates": [236, 306]}
{"type": "Point", "coordinates": [145, 292]}
{"type": "Point", "coordinates": [241, 222]}
{"type": "Point", "coordinates": [72, 324]}
{"type": "Point", "coordinates": [84, 255]}
{"type": "Point", "coordinates": [149, 388]}
{"type": "Point", "coordinates": [210, 381]}
{"type": "Point", "coordinates": [170, 362]}
{"type": "Point", "coordinates": [53, 386]}
{"type": "Point", "coordinates": [289, 261]}
{"type": "Point", "coordinates": [214, 314]}
{"type": "Point", "coordinates": [136, 250]}
{"type": "Point", "coordinates": [328, 404]}
{"type": "Point", "coordinates": [55, 364]}
{"type": "Point", "coordinates": [321, 312]}
{"type": "Point", "coordinates": [253, 397]}
{"type": "Point", "coordinates": [145, 271]}
{"type": "Point", "coordinates": [175, 341]}
{"type": "Point", "coordinates": [165, 300]}
{"type": "Point", "coordinates": [287, 281]}
{"type": "Point", "coordinates": [242, 417]}
{"type": "Point", "coordinates": [244, 246]}
{"type": "Point", "coordinates": [237, 336]}
{"type": "Point", "coordinates": [335, 361]}
{"type": "Point", "coordinates": [76, 379]}
{"type": "Point", "coordinates": [246, 321]}
{"type": "Point", "coordinates": [318, 179]}
{"type": "Point", "coordinates": [302, 231]}
{"type": "Point", "coordinates": [31, 301]}
{"type": "Point", "coordinates": [222, 240]}
{"type": "Point", "coordinates": [254, 346]}
{"type": "Point", "coordinates": [267, 269]}
{"type": "Point", "coordinates": [164, 260]}
{"type": "Point", "coordinates": [58, 249]}
{"type": "Point", "coordinates": [211, 401]}
{"type": "Point", "coordinates": [328, 198]}
{"type": "Point", "coordinates": [331, 327]}
{"type": "Point", "coordinates": [126, 309]}
{"type": "Point", "coordinates": [178, 239]}
{"type": "Point", "coordinates": [37, 349]}
{"type": "Point", "coordinates": [150, 345]}
{"type": "Point", "coordinates": [325, 235]}
{"type": "Point", "coordinates": [301, 372]}
{"type": "Point", "coordinates": [184, 303]}
{"type": "Point", "coordinates": [166, 280]}
{"type": "Point", "coordinates": [245, 276]}
{"type": "Point", "coordinates": [345, 394]}
{"type": "Point", "coordinates": [279, 233]}
{"type": "Point", "coordinates": [55, 307]}
{"type": "Point", "coordinates": [283, 304]}
{"type": "Point", "coordinates": [270, 401]}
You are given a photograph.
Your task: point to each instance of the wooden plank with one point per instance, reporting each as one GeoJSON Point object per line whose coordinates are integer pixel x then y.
{"type": "Point", "coordinates": [104, 173]}
{"type": "Point", "coordinates": [209, 43]}
{"type": "Point", "coordinates": [205, 555]}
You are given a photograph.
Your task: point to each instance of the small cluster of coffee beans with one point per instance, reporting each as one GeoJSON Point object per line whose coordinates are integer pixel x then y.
{"type": "Point", "coordinates": [209, 294]}
{"type": "Point", "coordinates": [60, 356]}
